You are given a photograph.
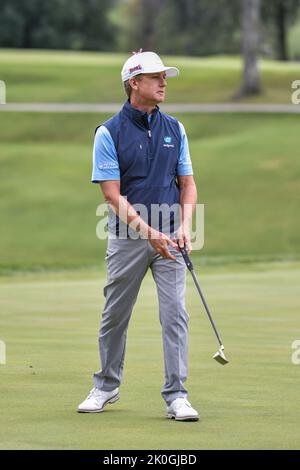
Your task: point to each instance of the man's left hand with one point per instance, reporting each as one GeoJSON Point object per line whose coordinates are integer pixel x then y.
{"type": "Point", "coordinates": [184, 239]}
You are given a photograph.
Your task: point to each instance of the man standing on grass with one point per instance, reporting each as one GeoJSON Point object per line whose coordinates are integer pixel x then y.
{"type": "Point", "coordinates": [142, 162]}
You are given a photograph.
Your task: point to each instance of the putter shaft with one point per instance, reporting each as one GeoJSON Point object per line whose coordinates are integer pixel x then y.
{"type": "Point", "coordinates": [219, 356]}
{"type": "Point", "coordinates": [206, 308]}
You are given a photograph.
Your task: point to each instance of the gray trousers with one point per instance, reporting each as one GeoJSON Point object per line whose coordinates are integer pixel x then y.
{"type": "Point", "coordinates": [127, 263]}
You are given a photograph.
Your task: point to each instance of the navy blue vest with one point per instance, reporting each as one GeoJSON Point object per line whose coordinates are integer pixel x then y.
{"type": "Point", "coordinates": [147, 154]}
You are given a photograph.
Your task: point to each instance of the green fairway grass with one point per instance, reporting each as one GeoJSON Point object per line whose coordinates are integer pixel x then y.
{"type": "Point", "coordinates": [62, 76]}
{"type": "Point", "coordinates": [49, 324]}
{"type": "Point", "coordinates": [246, 168]}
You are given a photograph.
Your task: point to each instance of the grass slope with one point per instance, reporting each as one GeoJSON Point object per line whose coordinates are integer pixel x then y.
{"type": "Point", "coordinates": [246, 167]}
{"type": "Point", "coordinates": [61, 76]}
{"type": "Point", "coordinates": [50, 329]}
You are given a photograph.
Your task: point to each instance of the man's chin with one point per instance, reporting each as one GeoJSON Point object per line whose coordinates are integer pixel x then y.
{"type": "Point", "coordinates": [161, 98]}
{"type": "Point", "coordinates": [157, 99]}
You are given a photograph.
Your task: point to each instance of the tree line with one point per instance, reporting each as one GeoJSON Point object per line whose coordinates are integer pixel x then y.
{"type": "Point", "coordinates": [187, 27]}
{"type": "Point", "coordinates": [56, 24]}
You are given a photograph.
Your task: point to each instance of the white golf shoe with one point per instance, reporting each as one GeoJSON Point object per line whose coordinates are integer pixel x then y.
{"type": "Point", "coordinates": [97, 399]}
{"type": "Point", "coordinates": [181, 410]}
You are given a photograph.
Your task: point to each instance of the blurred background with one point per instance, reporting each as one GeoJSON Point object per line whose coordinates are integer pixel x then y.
{"type": "Point", "coordinates": [61, 62]}
{"type": "Point", "coordinates": [246, 164]}
{"type": "Point", "coordinates": [179, 27]}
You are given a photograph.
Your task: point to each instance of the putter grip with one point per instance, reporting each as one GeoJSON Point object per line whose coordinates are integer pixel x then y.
{"type": "Point", "coordinates": [186, 258]}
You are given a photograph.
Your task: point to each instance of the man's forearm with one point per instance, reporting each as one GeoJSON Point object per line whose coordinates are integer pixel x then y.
{"type": "Point", "coordinates": [129, 215]}
{"type": "Point", "coordinates": [188, 200]}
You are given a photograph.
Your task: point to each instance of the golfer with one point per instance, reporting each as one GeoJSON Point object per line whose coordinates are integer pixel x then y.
{"type": "Point", "coordinates": [142, 163]}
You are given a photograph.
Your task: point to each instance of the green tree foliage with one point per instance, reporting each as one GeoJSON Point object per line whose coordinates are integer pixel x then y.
{"type": "Point", "coordinates": [203, 27]}
{"type": "Point", "coordinates": [187, 27]}
{"type": "Point", "coordinates": [143, 30]}
{"type": "Point", "coordinates": [192, 27]}
{"type": "Point", "coordinates": [200, 27]}
{"type": "Point", "coordinates": [56, 24]}
{"type": "Point", "coordinates": [278, 16]}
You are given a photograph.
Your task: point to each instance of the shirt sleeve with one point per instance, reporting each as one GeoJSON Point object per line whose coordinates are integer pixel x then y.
{"type": "Point", "coordinates": [184, 165]}
{"type": "Point", "coordinates": [105, 159]}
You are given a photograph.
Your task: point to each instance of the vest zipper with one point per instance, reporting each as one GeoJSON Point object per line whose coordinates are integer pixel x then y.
{"type": "Point", "coordinates": [150, 139]}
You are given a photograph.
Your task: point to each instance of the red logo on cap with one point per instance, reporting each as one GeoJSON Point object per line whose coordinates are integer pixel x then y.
{"type": "Point", "coordinates": [137, 67]}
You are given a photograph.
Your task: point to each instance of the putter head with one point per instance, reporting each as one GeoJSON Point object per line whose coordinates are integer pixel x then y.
{"type": "Point", "coordinates": [220, 356]}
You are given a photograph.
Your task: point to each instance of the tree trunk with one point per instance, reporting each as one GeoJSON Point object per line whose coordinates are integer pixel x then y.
{"type": "Point", "coordinates": [250, 46]}
{"type": "Point", "coordinates": [151, 9]}
{"type": "Point", "coordinates": [281, 30]}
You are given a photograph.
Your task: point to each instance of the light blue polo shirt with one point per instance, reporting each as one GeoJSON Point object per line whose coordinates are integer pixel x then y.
{"type": "Point", "coordinates": [105, 159]}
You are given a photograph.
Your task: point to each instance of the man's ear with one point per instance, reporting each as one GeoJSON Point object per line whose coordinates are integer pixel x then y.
{"type": "Point", "coordinates": [133, 83]}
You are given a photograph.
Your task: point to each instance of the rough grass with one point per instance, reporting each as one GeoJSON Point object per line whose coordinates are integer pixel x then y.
{"type": "Point", "coordinates": [246, 168]}
{"type": "Point", "coordinates": [60, 76]}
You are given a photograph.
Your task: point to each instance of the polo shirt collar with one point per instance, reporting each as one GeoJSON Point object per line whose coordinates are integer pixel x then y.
{"type": "Point", "coordinates": [141, 117]}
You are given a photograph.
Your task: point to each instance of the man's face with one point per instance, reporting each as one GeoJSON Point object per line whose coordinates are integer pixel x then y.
{"type": "Point", "coordinates": [150, 87]}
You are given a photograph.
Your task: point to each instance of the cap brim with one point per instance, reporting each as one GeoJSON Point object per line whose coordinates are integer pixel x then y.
{"type": "Point", "coordinates": [170, 71]}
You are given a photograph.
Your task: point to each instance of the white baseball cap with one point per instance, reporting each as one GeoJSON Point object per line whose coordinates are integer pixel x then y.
{"type": "Point", "coordinates": [145, 62]}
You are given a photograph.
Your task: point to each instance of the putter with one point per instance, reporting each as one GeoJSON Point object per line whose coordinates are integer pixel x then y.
{"type": "Point", "coordinates": [220, 355]}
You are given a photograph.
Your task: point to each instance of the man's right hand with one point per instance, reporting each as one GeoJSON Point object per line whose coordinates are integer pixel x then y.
{"type": "Point", "coordinates": [160, 243]}
{"type": "Point", "coordinates": [158, 240]}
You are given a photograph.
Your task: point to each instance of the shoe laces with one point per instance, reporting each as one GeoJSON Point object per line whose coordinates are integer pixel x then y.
{"type": "Point", "coordinates": [96, 392]}
{"type": "Point", "coordinates": [91, 394]}
{"type": "Point", "coordinates": [181, 401]}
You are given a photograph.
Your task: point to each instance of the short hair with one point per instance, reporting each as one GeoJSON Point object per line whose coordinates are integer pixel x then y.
{"type": "Point", "coordinates": [127, 86]}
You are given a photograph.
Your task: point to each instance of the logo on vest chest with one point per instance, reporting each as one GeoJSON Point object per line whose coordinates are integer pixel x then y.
{"type": "Point", "coordinates": [168, 142]}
